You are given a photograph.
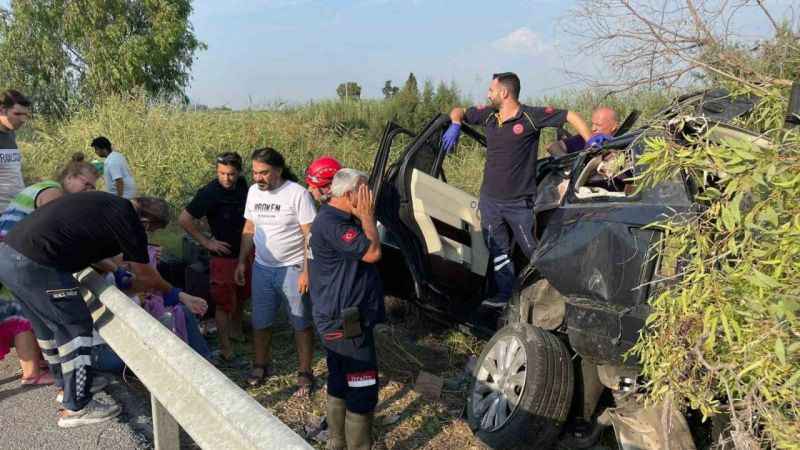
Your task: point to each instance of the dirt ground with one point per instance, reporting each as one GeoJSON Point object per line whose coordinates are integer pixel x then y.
{"type": "Point", "coordinates": [404, 419]}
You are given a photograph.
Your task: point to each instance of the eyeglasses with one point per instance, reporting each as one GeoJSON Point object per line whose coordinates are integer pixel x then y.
{"type": "Point", "coordinates": [151, 224]}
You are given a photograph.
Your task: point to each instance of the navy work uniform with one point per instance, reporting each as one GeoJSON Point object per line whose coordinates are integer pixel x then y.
{"type": "Point", "coordinates": [508, 191]}
{"type": "Point", "coordinates": [339, 279]}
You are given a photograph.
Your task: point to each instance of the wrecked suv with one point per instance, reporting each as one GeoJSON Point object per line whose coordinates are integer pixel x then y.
{"type": "Point", "coordinates": [555, 368]}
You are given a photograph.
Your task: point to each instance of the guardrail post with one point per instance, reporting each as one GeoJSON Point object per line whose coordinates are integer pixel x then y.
{"type": "Point", "coordinates": [166, 432]}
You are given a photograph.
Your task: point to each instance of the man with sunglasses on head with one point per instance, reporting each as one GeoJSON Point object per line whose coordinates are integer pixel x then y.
{"type": "Point", "coordinates": [222, 203]}
{"type": "Point", "coordinates": [37, 262]}
{"type": "Point", "coordinates": [508, 190]}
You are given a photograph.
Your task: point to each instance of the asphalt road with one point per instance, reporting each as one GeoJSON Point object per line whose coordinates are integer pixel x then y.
{"type": "Point", "coordinates": [28, 417]}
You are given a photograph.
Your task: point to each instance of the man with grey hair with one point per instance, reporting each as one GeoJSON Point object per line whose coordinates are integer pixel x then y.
{"type": "Point", "coordinates": [347, 299]}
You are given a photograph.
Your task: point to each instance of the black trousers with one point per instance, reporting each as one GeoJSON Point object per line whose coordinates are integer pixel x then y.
{"type": "Point", "coordinates": [353, 371]}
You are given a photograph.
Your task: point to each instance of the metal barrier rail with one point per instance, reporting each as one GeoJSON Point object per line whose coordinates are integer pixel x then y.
{"type": "Point", "coordinates": [185, 389]}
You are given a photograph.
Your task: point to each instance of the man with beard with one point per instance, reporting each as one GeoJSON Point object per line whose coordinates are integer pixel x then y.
{"type": "Point", "coordinates": [222, 203]}
{"type": "Point", "coordinates": [278, 217]}
{"type": "Point", "coordinates": [508, 191]}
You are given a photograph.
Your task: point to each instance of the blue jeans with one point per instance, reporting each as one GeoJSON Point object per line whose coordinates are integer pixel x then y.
{"type": "Point", "coordinates": [502, 220]}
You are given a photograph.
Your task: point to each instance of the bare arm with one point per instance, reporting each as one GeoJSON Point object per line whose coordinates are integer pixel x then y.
{"type": "Point", "coordinates": [146, 278]}
{"type": "Point", "coordinates": [302, 282]}
{"type": "Point", "coordinates": [187, 222]}
{"type": "Point", "coordinates": [47, 196]}
{"type": "Point", "coordinates": [579, 124]}
{"type": "Point", "coordinates": [119, 185]}
{"type": "Point", "coordinates": [245, 249]}
{"type": "Point", "coordinates": [108, 264]}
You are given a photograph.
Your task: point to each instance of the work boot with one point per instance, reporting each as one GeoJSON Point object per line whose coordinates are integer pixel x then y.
{"type": "Point", "coordinates": [336, 415]}
{"type": "Point", "coordinates": [358, 430]}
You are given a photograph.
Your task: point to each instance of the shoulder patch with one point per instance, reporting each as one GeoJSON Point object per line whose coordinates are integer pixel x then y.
{"type": "Point", "coordinates": [350, 235]}
{"type": "Point", "coordinates": [518, 129]}
{"type": "Point", "coordinates": [549, 110]}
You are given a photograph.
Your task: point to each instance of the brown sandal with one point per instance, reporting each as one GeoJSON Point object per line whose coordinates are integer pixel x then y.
{"type": "Point", "coordinates": [258, 374]}
{"type": "Point", "coordinates": [305, 384]}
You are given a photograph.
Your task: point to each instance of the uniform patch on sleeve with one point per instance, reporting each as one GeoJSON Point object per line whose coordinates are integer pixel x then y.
{"type": "Point", "coordinates": [350, 235]}
{"type": "Point", "coordinates": [518, 129]}
{"type": "Point", "coordinates": [549, 110]}
{"type": "Point", "coordinates": [362, 379]}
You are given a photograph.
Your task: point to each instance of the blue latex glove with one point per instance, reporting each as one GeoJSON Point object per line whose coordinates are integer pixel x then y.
{"type": "Point", "coordinates": [450, 137]}
{"type": "Point", "coordinates": [597, 140]}
{"type": "Point", "coordinates": [123, 279]}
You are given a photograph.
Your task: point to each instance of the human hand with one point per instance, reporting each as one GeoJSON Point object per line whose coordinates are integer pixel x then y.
{"type": "Point", "coordinates": [195, 304]}
{"type": "Point", "coordinates": [364, 204]}
{"type": "Point", "coordinates": [238, 274]}
{"type": "Point", "coordinates": [123, 279]}
{"type": "Point", "coordinates": [218, 247]}
{"type": "Point", "coordinates": [302, 282]}
{"type": "Point", "coordinates": [450, 137]}
{"type": "Point", "coordinates": [157, 253]}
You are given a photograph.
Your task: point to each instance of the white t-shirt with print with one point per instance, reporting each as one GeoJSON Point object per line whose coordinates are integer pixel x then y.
{"type": "Point", "coordinates": [114, 168]}
{"type": "Point", "coordinates": [277, 215]}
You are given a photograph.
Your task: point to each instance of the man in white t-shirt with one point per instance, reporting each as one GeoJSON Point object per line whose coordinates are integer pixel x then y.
{"type": "Point", "coordinates": [14, 112]}
{"type": "Point", "coordinates": [278, 215]}
{"type": "Point", "coordinates": [116, 172]}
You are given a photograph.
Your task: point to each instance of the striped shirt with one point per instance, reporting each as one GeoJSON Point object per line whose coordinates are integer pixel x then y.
{"type": "Point", "coordinates": [23, 204]}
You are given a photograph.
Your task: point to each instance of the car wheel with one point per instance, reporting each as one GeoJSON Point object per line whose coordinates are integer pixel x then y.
{"type": "Point", "coordinates": [522, 388]}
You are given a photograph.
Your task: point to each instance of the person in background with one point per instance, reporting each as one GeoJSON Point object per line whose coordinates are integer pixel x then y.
{"type": "Point", "coordinates": [347, 299]}
{"type": "Point", "coordinates": [116, 172]}
{"type": "Point", "coordinates": [508, 190]}
{"type": "Point", "coordinates": [319, 176]}
{"type": "Point", "coordinates": [16, 331]}
{"type": "Point", "coordinates": [278, 217]}
{"type": "Point", "coordinates": [222, 202]}
{"type": "Point", "coordinates": [604, 123]}
{"type": "Point", "coordinates": [76, 176]}
{"type": "Point", "coordinates": [15, 110]}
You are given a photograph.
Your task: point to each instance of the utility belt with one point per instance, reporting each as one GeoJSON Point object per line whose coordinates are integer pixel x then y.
{"type": "Point", "coordinates": [351, 326]}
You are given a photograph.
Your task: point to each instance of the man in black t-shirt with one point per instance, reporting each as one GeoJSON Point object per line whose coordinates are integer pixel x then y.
{"type": "Point", "coordinates": [37, 262]}
{"type": "Point", "coordinates": [347, 303]}
{"type": "Point", "coordinates": [509, 178]}
{"type": "Point", "coordinates": [222, 203]}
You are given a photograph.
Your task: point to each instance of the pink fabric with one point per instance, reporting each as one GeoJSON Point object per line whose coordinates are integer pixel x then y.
{"type": "Point", "coordinates": [154, 303]}
{"type": "Point", "coordinates": [10, 328]}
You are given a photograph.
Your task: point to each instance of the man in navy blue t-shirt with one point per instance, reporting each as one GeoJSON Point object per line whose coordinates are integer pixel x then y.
{"type": "Point", "coordinates": [509, 178]}
{"type": "Point", "coordinates": [347, 302]}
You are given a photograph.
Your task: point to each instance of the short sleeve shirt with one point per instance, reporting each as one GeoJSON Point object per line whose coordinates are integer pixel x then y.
{"type": "Point", "coordinates": [224, 210]}
{"type": "Point", "coordinates": [10, 168]}
{"type": "Point", "coordinates": [277, 215]}
{"type": "Point", "coordinates": [338, 277]}
{"type": "Point", "coordinates": [116, 167]}
{"type": "Point", "coordinates": [78, 230]}
{"type": "Point", "coordinates": [512, 148]}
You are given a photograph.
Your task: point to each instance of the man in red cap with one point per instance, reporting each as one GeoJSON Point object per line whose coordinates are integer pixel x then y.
{"type": "Point", "coordinates": [319, 176]}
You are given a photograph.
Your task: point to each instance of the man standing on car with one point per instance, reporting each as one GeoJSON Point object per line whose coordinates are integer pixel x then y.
{"type": "Point", "coordinates": [508, 191]}
{"type": "Point", "coordinates": [116, 172]}
{"type": "Point", "coordinates": [14, 112]}
{"type": "Point", "coordinates": [222, 203]}
{"type": "Point", "coordinates": [347, 298]}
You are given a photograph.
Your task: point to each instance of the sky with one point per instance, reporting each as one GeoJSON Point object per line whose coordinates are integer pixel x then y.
{"type": "Point", "coordinates": [265, 51]}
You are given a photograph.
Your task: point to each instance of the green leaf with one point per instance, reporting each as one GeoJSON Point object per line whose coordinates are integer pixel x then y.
{"type": "Point", "coordinates": [780, 351]}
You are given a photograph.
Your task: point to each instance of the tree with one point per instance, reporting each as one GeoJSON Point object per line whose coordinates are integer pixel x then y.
{"type": "Point", "coordinates": [389, 91]}
{"type": "Point", "coordinates": [66, 53]}
{"type": "Point", "coordinates": [406, 102]}
{"type": "Point", "coordinates": [663, 44]}
{"type": "Point", "coordinates": [349, 90]}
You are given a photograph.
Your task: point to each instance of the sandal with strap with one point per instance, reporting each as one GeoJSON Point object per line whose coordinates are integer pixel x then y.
{"type": "Point", "coordinates": [305, 384]}
{"type": "Point", "coordinates": [44, 378]}
{"type": "Point", "coordinates": [258, 374]}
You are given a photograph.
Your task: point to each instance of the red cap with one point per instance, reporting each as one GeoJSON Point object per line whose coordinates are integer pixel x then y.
{"type": "Point", "coordinates": [320, 173]}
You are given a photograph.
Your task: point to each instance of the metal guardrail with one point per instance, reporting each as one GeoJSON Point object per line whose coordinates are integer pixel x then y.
{"type": "Point", "coordinates": [186, 390]}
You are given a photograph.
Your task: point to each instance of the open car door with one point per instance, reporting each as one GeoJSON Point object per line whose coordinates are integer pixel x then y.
{"type": "Point", "coordinates": [436, 226]}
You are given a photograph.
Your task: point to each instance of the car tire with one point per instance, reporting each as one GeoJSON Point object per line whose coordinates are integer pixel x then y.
{"type": "Point", "coordinates": [531, 407]}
